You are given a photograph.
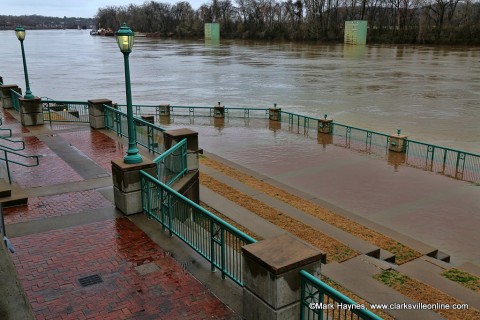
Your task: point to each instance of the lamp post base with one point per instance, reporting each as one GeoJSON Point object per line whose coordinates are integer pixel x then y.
{"type": "Point", "coordinates": [132, 158]}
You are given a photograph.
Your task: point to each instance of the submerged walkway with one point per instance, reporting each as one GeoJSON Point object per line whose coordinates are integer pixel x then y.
{"type": "Point", "coordinates": [442, 212]}
{"type": "Point", "coordinates": [79, 258]}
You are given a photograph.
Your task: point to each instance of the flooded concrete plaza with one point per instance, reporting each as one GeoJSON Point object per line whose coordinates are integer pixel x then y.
{"type": "Point", "coordinates": [438, 210]}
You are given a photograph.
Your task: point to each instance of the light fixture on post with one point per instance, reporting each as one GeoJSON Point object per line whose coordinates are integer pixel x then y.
{"type": "Point", "coordinates": [125, 37]}
{"type": "Point", "coordinates": [20, 33]}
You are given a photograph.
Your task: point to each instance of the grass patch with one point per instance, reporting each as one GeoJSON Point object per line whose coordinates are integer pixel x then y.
{"type": "Point", "coordinates": [402, 253]}
{"type": "Point", "coordinates": [421, 292]}
{"type": "Point", "coordinates": [335, 250]}
{"type": "Point", "coordinates": [464, 278]}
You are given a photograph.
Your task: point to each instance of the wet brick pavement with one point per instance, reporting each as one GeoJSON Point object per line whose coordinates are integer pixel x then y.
{"type": "Point", "coordinates": [56, 205]}
{"type": "Point", "coordinates": [140, 280]}
{"type": "Point", "coordinates": [51, 170]}
{"type": "Point", "coordinates": [97, 146]}
{"type": "Point", "coordinates": [49, 265]}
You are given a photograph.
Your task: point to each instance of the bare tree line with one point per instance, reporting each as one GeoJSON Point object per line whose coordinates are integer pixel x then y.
{"type": "Point", "coordinates": [389, 21]}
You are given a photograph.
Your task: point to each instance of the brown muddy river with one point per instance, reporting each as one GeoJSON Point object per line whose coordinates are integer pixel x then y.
{"type": "Point", "coordinates": [431, 93]}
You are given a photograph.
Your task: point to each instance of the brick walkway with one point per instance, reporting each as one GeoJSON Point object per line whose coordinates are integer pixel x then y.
{"type": "Point", "coordinates": [139, 279]}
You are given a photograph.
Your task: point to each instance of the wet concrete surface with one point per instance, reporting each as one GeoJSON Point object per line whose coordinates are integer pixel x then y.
{"type": "Point", "coordinates": [441, 211]}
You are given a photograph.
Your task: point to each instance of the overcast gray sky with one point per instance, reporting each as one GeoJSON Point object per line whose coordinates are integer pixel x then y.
{"type": "Point", "coordinates": [70, 8]}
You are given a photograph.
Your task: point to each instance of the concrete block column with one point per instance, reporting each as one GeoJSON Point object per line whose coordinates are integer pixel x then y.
{"type": "Point", "coordinates": [96, 113]}
{"type": "Point", "coordinates": [172, 137]}
{"type": "Point", "coordinates": [397, 142]}
{"type": "Point", "coordinates": [271, 277]}
{"type": "Point", "coordinates": [164, 110]}
{"type": "Point", "coordinates": [6, 97]}
{"type": "Point", "coordinates": [219, 111]}
{"type": "Point", "coordinates": [127, 189]}
{"type": "Point", "coordinates": [274, 113]}
{"type": "Point", "coordinates": [31, 113]}
{"type": "Point", "coordinates": [325, 125]}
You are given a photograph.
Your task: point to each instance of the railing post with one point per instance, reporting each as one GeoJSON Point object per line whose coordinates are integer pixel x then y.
{"type": "Point", "coordinates": [126, 184]}
{"type": "Point", "coordinates": [6, 96]}
{"type": "Point", "coordinates": [219, 111]}
{"type": "Point", "coordinates": [31, 111]}
{"type": "Point", "coordinates": [272, 282]}
{"type": "Point", "coordinates": [96, 112]}
{"type": "Point", "coordinates": [275, 114]}
{"type": "Point", "coordinates": [397, 142]}
{"type": "Point", "coordinates": [172, 137]}
{"type": "Point", "coordinates": [325, 125]}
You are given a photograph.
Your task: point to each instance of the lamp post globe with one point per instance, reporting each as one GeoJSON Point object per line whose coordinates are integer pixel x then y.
{"type": "Point", "coordinates": [125, 38]}
{"type": "Point", "coordinates": [20, 33]}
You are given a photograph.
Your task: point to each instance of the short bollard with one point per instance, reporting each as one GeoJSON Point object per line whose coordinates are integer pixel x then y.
{"type": "Point", "coordinates": [397, 142]}
{"type": "Point", "coordinates": [325, 125]}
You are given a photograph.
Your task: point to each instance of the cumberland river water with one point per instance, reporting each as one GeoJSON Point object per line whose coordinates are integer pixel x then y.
{"type": "Point", "coordinates": [431, 93]}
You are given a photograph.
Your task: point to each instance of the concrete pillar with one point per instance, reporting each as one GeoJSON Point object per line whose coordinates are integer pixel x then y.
{"type": "Point", "coordinates": [127, 189]}
{"type": "Point", "coordinates": [6, 97]}
{"type": "Point", "coordinates": [172, 137]}
{"type": "Point", "coordinates": [271, 277]}
{"type": "Point", "coordinates": [31, 113]}
{"type": "Point", "coordinates": [163, 110]}
{"type": "Point", "coordinates": [191, 187]}
{"type": "Point", "coordinates": [96, 113]}
{"type": "Point", "coordinates": [275, 113]}
{"type": "Point", "coordinates": [149, 118]}
{"type": "Point", "coordinates": [397, 143]}
{"type": "Point", "coordinates": [219, 111]}
{"type": "Point", "coordinates": [325, 125]}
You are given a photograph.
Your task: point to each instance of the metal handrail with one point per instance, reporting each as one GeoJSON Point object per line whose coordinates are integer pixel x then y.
{"type": "Point", "coordinates": [313, 294]}
{"type": "Point", "coordinates": [13, 141]}
{"type": "Point", "coordinates": [214, 239]}
{"type": "Point", "coordinates": [163, 166]}
{"type": "Point", "coordinates": [15, 99]}
{"type": "Point", "coordinates": [114, 119]}
{"type": "Point", "coordinates": [6, 152]}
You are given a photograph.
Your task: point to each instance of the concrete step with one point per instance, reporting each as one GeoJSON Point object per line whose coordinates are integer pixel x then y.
{"type": "Point", "coordinates": [356, 275]}
{"type": "Point", "coordinates": [348, 239]}
{"type": "Point", "coordinates": [439, 255]}
{"type": "Point", "coordinates": [5, 189]}
{"type": "Point", "coordinates": [17, 197]}
{"type": "Point", "coordinates": [428, 270]}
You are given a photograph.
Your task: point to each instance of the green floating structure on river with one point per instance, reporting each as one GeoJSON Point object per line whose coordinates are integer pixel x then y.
{"type": "Point", "coordinates": [355, 32]}
{"type": "Point", "coordinates": [212, 32]}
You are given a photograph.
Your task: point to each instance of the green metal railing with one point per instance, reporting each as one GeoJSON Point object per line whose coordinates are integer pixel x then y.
{"type": "Point", "coordinates": [65, 111]}
{"type": "Point", "coordinates": [299, 121]}
{"type": "Point", "coordinates": [147, 134]}
{"type": "Point", "coordinates": [322, 302]}
{"type": "Point", "coordinates": [451, 162]}
{"type": "Point", "coordinates": [15, 99]}
{"type": "Point", "coordinates": [172, 164]}
{"type": "Point", "coordinates": [11, 141]}
{"type": "Point", "coordinates": [198, 111]}
{"type": "Point", "coordinates": [13, 157]}
{"type": "Point", "coordinates": [214, 239]}
{"type": "Point", "coordinates": [360, 139]}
